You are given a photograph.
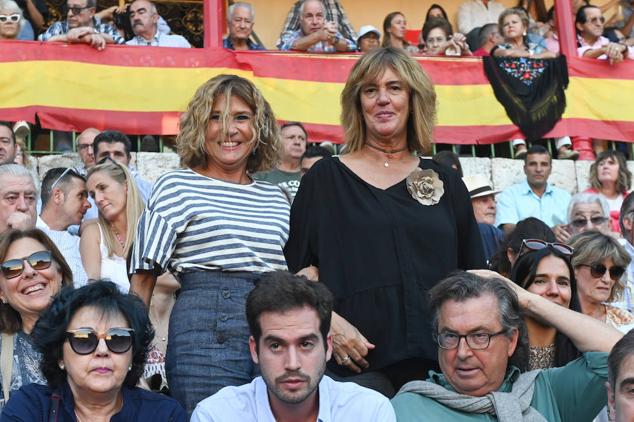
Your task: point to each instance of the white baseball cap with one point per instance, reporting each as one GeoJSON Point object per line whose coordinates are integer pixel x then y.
{"type": "Point", "coordinates": [366, 29]}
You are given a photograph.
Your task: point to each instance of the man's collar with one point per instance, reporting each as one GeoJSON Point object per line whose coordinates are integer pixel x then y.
{"type": "Point", "coordinates": [156, 36]}
{"type": "Point", "coordinates": [263, 406]}
{"type": "Point", "coordinates": [527, 188]}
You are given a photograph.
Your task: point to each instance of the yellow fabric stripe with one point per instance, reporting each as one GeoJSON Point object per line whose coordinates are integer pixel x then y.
{"type": "Point", "coordinates": [76, 85]}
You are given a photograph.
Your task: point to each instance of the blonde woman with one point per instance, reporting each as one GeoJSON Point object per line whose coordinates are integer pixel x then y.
{"type": "Point", "coordinates": [218, 231]}
{"type": "Point", "coordinates": [105, 244]}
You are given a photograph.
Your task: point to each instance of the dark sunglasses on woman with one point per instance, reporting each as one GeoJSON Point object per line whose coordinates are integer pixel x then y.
{"type": "Point", "coordinates": [538, 244]}
{"type": "Point", "coordinates": [582, 222]}
{"type": "Point", "coordinates": [38, 261]}
{"type": "Point", "coordinates": [84, 341]}
{"type": "Point", "coordinates": [597, 271]}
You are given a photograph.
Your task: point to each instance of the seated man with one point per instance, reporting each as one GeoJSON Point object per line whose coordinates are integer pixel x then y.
{"type": "Point", "coordinates": [81, 27]}
{"type": "Point", "coordinates": [316, 35]}
{"type": "Point", "coordinates": [8, 146]}
{"type": "Point", "coordinates": [334, 13]}
{"type": "Point", "coordinates": [488, 37]}
{"type": "Point", "coordinates": [64, 203]}
{"type": "Point", "coordinates": [478, 323]}
{"type": "Point", "coordinates": [483, 202]}
{"type": "Point", "coordinates": [369, 38]}
{"type": "Point", "coordinates": [590, 24]}
{"type": "Point", "coordinates": [534, 197]}
{"type": "Point", "coordinates": [289, 320]}
{"type": "Point", "coordinates": [18, 198]}
{"type": "Point", "coordinates": [241, 18]}
{"type": "Point", "coordinates": [287, 172]}
{"type": "Point", "coordinates": [621, 380]}
{"type": "Point", "coordinates": [144, 20]}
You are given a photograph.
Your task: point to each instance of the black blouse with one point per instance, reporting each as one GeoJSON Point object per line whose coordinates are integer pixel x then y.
{"type": "Point", "coordinates": [380, 251]}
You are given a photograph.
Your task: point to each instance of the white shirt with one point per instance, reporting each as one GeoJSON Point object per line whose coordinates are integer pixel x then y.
{"type": "Point", "coordinates": [161, 40]}
{"type": "Point", "coordinates": [338, 402]}
{"type": "Point", "coordinates": [474, 14]}
{"type": "Point", "coordinates": [68, 245]}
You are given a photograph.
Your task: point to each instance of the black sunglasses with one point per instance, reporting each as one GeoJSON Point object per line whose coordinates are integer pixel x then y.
{"type": "Point", "coordinates": [75, 9]}
{"type": "Point", "coordinates": [537, 244]}
{"type": "Point", "coordinates": [38, 261]}
{"type": "Point", "coordinates": [597, 271]}
{"type": "Point", "coordinates": [582, 222]}
{"type": "Point", "coordinates": [84, 341]}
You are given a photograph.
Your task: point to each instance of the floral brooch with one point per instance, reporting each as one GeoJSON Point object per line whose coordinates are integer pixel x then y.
{"type": "Point", "coordinates": [425, 186]}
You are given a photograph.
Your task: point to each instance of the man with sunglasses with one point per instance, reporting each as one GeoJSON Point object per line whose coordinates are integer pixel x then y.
{"type": "Point", "coordinates": [289, 320]}
{"type": "Point", "coordinates": [590, 24]}
{"type": "Point", "coordinates": [18, 198]}
{"type": "Point", "coordinates": [64, 204]}
{"type": "Point", "coordinates": [480, 332]}
{"type": "Point", "coordinates": [81, 27]}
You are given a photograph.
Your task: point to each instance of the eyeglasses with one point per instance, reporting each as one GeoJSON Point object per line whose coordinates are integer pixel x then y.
{"type": "Point", "coordinates": [597, 20]}
{"type": "Point", "coordinates": [476, 341]}
{"type": "Point", "coordinates": [11, 18]}
{"type": "Point", "coordinates": [84, 341]}
{"type": "Point", "coordinates": [597, 271]}
{"type": "Point", "coordinates": [83, 146]}
{"type": "Point", "coordinates": [75, 9]}
{"type": "Point", "coordinates": [582, 222]}
{"type": "Point", "coordinates": [38, 261]}
{"type": "Point", "coordinates": [537, 244]}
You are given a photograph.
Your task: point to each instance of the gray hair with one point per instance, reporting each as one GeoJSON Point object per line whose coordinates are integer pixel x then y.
{"type": "Point", "coordinates": [301, 6]}
{"type": "Point", "coordinates": [245, 5]}
{"type": "Point", "coordinates": [588, 198]}
{"type": "Point", "coordinates": [15, 170]}
{"type": "Point", "coordinates": [11, 6]}
{"type": "Point", "coordinates": [461, 286]}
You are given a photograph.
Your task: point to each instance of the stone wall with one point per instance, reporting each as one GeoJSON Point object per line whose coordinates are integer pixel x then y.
{"type": "Point", "coordinates": [503, 172]}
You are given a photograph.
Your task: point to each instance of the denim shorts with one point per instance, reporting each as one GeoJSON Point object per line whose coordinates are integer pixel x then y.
{"type": "Point", "coordinates": [208, 336]}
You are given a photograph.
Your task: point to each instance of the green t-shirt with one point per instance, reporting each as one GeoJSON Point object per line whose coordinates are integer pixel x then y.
{"type": "Point", "coordinates": [289, 182]}
{"type": "Point", "coordinates": [573, 393]}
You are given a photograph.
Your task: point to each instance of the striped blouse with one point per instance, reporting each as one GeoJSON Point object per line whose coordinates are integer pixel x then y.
{"type": "Point", "coordinates": [193, 222]}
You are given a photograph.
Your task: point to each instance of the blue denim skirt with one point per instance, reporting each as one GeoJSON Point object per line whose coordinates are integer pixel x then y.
{"type": "Point", "coordinates": [209, 336]}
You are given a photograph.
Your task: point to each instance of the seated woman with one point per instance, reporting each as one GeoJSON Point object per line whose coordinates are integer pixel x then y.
{"type": "Point", "coordinates": [33, 271]}
{"type": "Point", "coordinates": [105, 245]}
{"type": "Point", "coordinates": [600, 262]}
{"type": "Point", "coordinates": [11, 20]}
{"type": "Point", "coordinates": [439, 41]}
{"type": "Point", "coordinates": [93, 342]}
{"type": "Point", "coordinates": [586, 211]}
{"type": "Point", "coordinates": [394, 30]}
{"type": "Point", "coordinates": [513, 24]}
{"type": "Point", "coordinates": [544, 268]}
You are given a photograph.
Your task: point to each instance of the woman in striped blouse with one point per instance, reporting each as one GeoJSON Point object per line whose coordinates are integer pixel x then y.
{"type": "Point", "coordinates": [217, 230]}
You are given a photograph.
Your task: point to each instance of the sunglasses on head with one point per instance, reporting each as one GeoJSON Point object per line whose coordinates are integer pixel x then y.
{"type": "Point", "coordinates": [582, 222]}
{"type": "Point", "coordinates": [68, 170]}
{"type": "Point", "coordinates": [84, 341]}
{"type": "Point", "coordinates": [11, 18]}
{"type": "Point", "coordinates": [597, 271]}
{"type": "Point", "coordinates": [537, 244]}
{"type": "Point", "coordinates": [38, 261]}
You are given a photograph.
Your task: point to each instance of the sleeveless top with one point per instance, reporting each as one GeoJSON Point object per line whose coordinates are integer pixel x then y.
{"type": "Point", "coordinates": [113, 267]}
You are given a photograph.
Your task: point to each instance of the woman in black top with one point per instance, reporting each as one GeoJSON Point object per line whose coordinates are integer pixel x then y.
{"type": "Point", "coordinates": [380, 226]}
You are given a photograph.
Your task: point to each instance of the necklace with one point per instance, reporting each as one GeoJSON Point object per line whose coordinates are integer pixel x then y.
{"type": "Point", "coordinates": [118, 237]}
{"type": "Point", "coordinates": [388, 152]}
{"type": "Point", "coordinates": [160, 328]}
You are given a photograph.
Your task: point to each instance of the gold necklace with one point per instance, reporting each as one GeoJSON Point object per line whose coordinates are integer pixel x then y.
{"type": "Point", "coordinates": [160, 329]}
{"type": "Point", "coordinates": [118, 237]}
{"type": "Point", "coordinates": [388, 152]}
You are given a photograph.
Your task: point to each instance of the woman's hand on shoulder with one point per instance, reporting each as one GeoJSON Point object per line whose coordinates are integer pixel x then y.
{"type": "Point", "coordinates": [311, 272]}
{"type": "Point", "coordinates": [349, 345]}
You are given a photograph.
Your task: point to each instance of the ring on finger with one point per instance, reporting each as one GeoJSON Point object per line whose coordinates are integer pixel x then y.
{"type": "Point", "coordinates": [345, 360]}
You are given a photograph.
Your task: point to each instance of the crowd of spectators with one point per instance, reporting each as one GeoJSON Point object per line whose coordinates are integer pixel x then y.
{"type": "Point", "coordinates": [390, 298]}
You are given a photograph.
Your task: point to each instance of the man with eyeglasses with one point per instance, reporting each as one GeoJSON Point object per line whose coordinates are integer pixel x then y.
{"type": "Point", "coordinates": [18, 198]}
{"type": "Point", "coordinates": [240, 20]}
{"type": "Point", "coordinates": [64, 204]}
{"type": "Point", "coordinates": [84, 147]}
{"type": "Point", "coordinates": [626, 221]}
{"type": "Point", "coordinates": [482, 352]}
{"type": "Point", "coordinates": [144, 21]}
{"type": "Point", "coordinates": [81, 27]}
{"type": "Point", "coordinates": [590, 23]}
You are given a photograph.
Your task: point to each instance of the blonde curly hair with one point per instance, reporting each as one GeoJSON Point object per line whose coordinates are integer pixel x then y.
{"type": "Point", "coordinates": [190, 142]}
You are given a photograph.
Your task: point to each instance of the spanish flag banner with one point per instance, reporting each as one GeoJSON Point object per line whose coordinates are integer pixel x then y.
{"type": "Point", "coordinates": [143, 90]}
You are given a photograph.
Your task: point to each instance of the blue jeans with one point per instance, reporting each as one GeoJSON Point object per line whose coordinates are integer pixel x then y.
{"type": "Point", "coordinates": [208, 336]}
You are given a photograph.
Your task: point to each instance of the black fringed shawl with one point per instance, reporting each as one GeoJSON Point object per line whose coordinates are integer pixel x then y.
{"type": "Point", "coordinates": [531, 91]}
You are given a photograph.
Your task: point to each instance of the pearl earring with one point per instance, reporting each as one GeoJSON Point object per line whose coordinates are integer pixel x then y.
{"type": "Point", "coordinates": [130, 368]}
{"type": "Point", "coordinates": [61, 366]}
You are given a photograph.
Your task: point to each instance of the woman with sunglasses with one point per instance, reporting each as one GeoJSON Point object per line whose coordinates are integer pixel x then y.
{"type": "Point", "coordinates": [544, 268]}
{"type": "Point", "coordinates": [93, 342]}
{"type": "Point", "coordinates": [610, 178]}
{"type": "Point", "coordinates": [586, 211]}
{"type": "Point", "coordinates": [105, 246]}
{"type": "Point", "coordinates": [600, 262]}
{"type": "Point", "coordinates": [32, 272]}
{"type": "Point", "coordinates": [11, 20]}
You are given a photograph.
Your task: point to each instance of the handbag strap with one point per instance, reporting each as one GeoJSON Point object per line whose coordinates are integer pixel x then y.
{"type": "Point", "coordinates": [6, 363]}
{"type": "Point", "coordinates": [53, 415]}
